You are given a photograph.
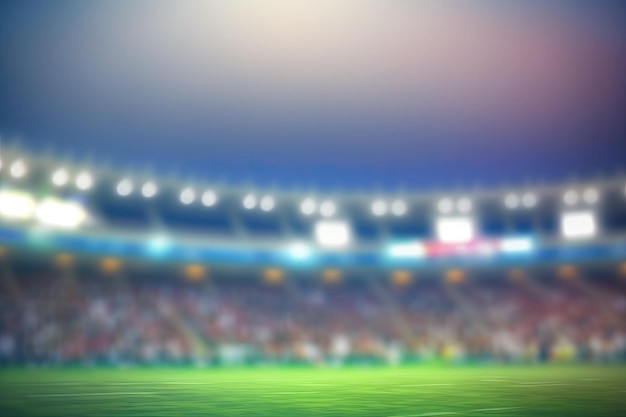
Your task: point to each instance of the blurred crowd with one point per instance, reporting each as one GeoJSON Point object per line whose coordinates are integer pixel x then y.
{"type": "Point", "coordinates": [55, 320]}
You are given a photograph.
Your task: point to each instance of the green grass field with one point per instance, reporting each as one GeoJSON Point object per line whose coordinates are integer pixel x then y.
{"type": "Point", "coordinates": [405, 391]}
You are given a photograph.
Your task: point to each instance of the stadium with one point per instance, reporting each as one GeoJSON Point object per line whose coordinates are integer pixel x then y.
{"type": "Point", "coordinates": [268, 277]}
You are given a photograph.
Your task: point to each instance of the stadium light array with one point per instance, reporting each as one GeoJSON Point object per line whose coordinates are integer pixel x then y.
{"type": "Point", "coordinates": [445, 205]}
{"type": "Point", "coordinates": [332, 234]}
{"type": "Point", "coordinates": [308, 206]}
{"type": "Point", "coordinates": [249, 201]}
{"type": "Point", "coordinates": [84, 181]}
{"type": "Point", "coordinates": [60, 177]}
{"type": "Point", "coordinates": [124, 187]}
{"type": "Point", "coordinates": [187, 195]}
{"type": "Point", "coordinates": [209, 198]}
{"type": "Point", "coordinates": [18, 169]}
{"type": "Point", "coordinates": [328, 208]}
{"type": "Point", "coordinates": [570, 197]}
{"type": "Point", "coordinates": [63, 214]}
{"type": "Point", "coordinates": [16, 204]}
{"type": "Point", "coordinates": [455, 229]}
{"type": "Point", "coordinates": [379, 208]}
{"type": "Point", "coordinates": [267, 203]}
{"type": "Point", "coordinates": [149, 189]}
{"type": "Point", "coordinates": [578, 224]}
{"type": "Point", "coordinates": [399, 207]}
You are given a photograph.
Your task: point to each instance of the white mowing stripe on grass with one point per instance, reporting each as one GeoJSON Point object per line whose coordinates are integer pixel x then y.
{"type": "Point", "coordinates": [495, 409]}
{"type": "Point", "coordinates": [537, 385]}
{"type": "Point", "coordinates": [294, 392]}
{"type": "Point", "coordinates": [423, 385]}
{"type": "Point", "coordinates": [92, 394]}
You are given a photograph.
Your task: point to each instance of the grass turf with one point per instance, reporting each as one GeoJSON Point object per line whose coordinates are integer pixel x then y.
{"type": "Point", "coordinates": [404, 391]}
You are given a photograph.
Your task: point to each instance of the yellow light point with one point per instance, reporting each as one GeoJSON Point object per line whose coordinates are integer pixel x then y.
{"type": "Point", "coordinates": [331, 276]}
{"type": "Point", "coordinates": [110, 265]}
{"type": "Point", "coordinates": [622, 270]}
{"type": "Point", "coordinates": [567, 272]}
{"type": "Point", "coordinates": [3, 252]}
{"type": "Point", "coordinates": [273, 276]}
{"type": "Point", "coordinates": [455, 276]}
{"type": "Point", "coordinates": [401, 278]}
{"type": "Point", "coordinates": [517, 275]}
{"type": "Point", "coordinates": [194, 272]}
{"type": "Point", "coordinates": [63, 260]}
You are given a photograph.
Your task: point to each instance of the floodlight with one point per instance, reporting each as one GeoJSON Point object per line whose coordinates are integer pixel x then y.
{"type": "Point", "coordinates": [511, 201]}
{"type": "Point", "coordinates": [84, 181]}
{"type": "Point", "coordinates": [529, 200]}
{"type": "Point", "coordinates": [328, 208]}
{"type": "Point", "coordinates": [16, 204]}
{"type": "Point", "coordinates": [406, 250]}
{"type": "Point", "coordinates": [591, 195]}
{"type": "Point", "coordinates": [149, 189]}
{"type": "Point", "coordinates": [267, 203]}
{"type": "Point", "coordinates": [455, 229]}
{"type": "Point", "coordinates": [445, 205]}
{"type": "Point", "coordinates": [379, 208]}
{"type": "Point", "coordinates": [124, 187]}
{"type": "Point", "coordinates": [570, 197]}
{"type": "Point", "coordinates": [60, 177]}
{"type": "Point", "coordinates": [187, 195]}
{"type": "Point", "coordinates": [209, 198]}
{"type": "Point", "coordinates": [578, 224]}
{"type": "Point", "coordinates": [18, 169]}
{"type": "Point", "coordinates": [249, 202]}
{"type": "Point", "coordinates": [464, 205]}
{"type": "Point", "coordinates": [159, 244]}
{"type": "Point", "coordinates": [308, 206]}
{"type": "Point", "coordinates": [57, 213]}
{"type": "Point", "coordinates": [332, 234]}
{"type": "Point", "coordinates": [399, 208]}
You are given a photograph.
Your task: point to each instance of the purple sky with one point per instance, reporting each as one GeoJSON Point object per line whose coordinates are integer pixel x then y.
{"type": "Point", "coordinates": [334, 93]}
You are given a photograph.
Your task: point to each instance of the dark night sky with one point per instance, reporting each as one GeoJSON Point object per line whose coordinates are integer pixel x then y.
{"type": "Point", "coordinates": [343, 94]}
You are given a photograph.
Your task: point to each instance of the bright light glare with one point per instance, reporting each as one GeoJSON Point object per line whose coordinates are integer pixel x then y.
{"type": "Point", "coordinates": [511, 201]}
{"type": "Point", "coordinates": [187, 196]}
{"type": "Point", "coordinates": [578, 224]}
{"type": "Point", "coordinates": [445, 205]}
{"type": "Point", "coordinates": [60, 177]}
{"type": "Point", "coordinates": [332, 234]}
{"type": "Point", "coordinates": [300, 251]}
{"type": "Point", "coordinates": [84, 181]}
{"type": "Point", "coordinates": [124, 187]}
{"type": "Point", "coordinates": [406, 250]}
{"type": "Point", "coordinates": [18, 169]}
{"type": "Point", "coordinates": [328, 208]}
{"type": "Point", "coordinates": [399, 208]}
{"type": "Point", "coordinates": [455, 229]}
{"type": "Point", "coordinates": [570, 197]}
{"type": "Point", "coordinates": [159, 244]}
{"type": "Point", "coordinates": [379, 208]}
{"type": "Point", "coordinates": [591, 195]}
{"type": "Point", "coordinates": [267, 203]}
{"type": "Point", "coordinates": [63, 214]}
{"type": "Point", "coordinates": [209, 198]}
{"type": "Point", "coordinates": [16, 204]}
{"type": "Point", "coordinates": [516, 245]}
{"type": "Point", "coordinates": [308, 206]}
{"type": "Point", "coordinates": [149, 189]}
{"type": "Point", "coordinates": [249, 202]}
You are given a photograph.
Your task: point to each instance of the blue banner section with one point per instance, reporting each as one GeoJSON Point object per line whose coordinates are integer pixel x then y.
{"type": "Point", "coordinates": [118, 247]}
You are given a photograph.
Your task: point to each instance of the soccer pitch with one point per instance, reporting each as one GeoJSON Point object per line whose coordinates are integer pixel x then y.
{"type": "Point", "coordinates": [403, 391]}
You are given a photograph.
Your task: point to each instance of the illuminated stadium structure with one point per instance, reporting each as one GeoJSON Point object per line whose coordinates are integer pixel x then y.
{"type": "Point", "coordinates": [84, 208]}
